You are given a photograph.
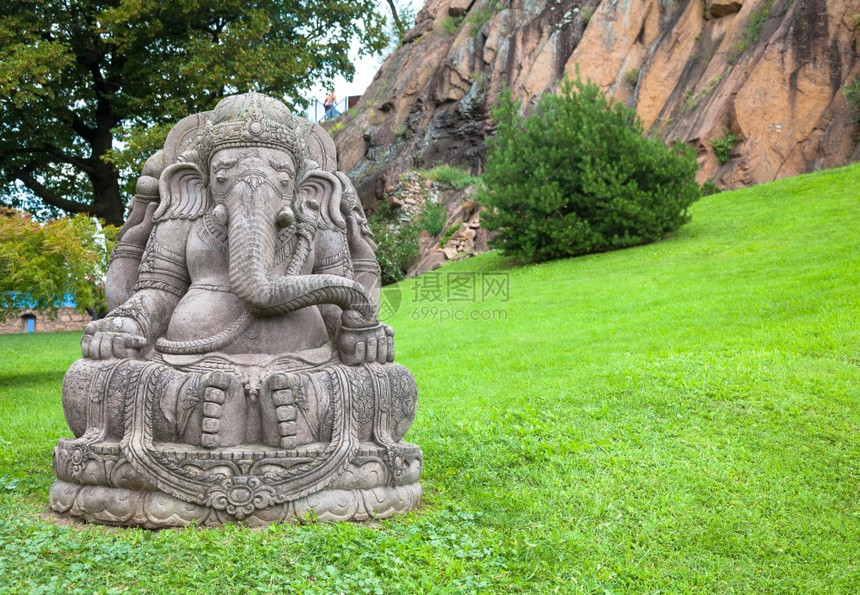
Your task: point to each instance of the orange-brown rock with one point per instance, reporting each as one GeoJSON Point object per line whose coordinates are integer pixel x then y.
{"type": "Point", "coordinates": [769, 71]}
{"type": "Point", "coordinates": [457, 8]}
{"type": "Point", "coordinates": [721, 8]}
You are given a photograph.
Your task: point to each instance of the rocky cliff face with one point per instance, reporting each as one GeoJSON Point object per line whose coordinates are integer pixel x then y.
{"type": "Point", "coordinates": [768, 71]}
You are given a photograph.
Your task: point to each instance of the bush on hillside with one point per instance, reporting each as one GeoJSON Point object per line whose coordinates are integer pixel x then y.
{"type": "Point", "coordinates": [723, 146]}
{"type": "Point", "coordinates": [396, 236]}
{"type": "Point", "coordinates": [579, 176]}
{"type": "Point", "coordinates": [396, 241]}
{"type": "Point", "coordinates": [452, 176]}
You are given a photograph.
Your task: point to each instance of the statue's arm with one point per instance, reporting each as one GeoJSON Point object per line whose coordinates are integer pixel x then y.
{"type": "Point", "coordinates": [331, 257]}
{"type": "Point", "coordinates": [163, 280]}
{"type": "Point", "coordinates": [125, 259]}
{"type": "Point", "coordinates": [362, 252]}
{"type": "Point", "coordinates": [373, 344]}
{"type": "Point", "coordinates": [134, 234]}
{"type": "Point", "coordinates": [351, 253]}
{"type": "Point", "coordinates": [359, 245]}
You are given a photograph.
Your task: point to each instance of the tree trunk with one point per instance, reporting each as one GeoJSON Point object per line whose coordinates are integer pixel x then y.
{"type": "Point", "coordinates": [107, 200]}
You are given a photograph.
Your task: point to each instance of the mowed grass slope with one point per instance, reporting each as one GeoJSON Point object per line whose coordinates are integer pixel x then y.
{"type": "Point", "coordinates": [675, 418]}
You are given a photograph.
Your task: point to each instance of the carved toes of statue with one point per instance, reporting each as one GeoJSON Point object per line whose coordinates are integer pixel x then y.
{"type": "Point", "coordinates": [281, 396]}
{"type": "Point", "coordinates": [223, 422]}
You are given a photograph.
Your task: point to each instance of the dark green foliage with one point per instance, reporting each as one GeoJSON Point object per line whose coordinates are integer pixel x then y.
{"type": "Point", "coordinates": [709, 188]}
{"type": "Point", "coordinates": [78, 76]}
{"type": "Point", "coordinates": [396, 242]}
{"type": "Point", "coordinates": [631, 77]}
{"type": "Point", "coordinates": [723, 146]}
{"type": "Point", "coordinates": [579, 175]}
{"type": "Point", "coordinates": [851, 90]}
{"type": "Point", "coordinates": [452, 176]}
{"type": "Point", "coordinates": [449, 233]}
{"type": "Point", "coordinates": [433, 218]}
{"type": "Point", "coordinates": [396, 237]}
{"type": "Point", "coordinates": [451, 25]}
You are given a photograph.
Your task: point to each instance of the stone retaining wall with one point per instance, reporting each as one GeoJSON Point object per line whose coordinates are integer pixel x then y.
{"type": "Point", "coordinates": [68, 319]}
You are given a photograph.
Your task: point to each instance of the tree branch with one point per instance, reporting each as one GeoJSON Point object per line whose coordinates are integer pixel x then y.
{"type": "Point", "coordinates": [85, 165]}
{"type": "Point", "coordinates": [397, 22]}
{"type": "Point", "coordinates": [47, 195]}
{"type": "Point", "coordinates": [81, 129]}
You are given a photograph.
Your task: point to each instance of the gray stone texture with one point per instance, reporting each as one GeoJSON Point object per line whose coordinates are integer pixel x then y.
{"type": "Point", "coordinates": [242, 373]}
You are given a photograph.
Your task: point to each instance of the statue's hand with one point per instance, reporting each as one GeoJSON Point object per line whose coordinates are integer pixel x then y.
{"type": "Point", "coordinates": [138, 233]}
{"type": "Point", "coordinates": [373, 343]}
{"type": "Point", "coordinates": [108, 338]}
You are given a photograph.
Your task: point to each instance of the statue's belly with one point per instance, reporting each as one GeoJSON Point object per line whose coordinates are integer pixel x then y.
{"type": "Point", "coordinates": [218, 321]}
{"type": "Point", "coordinates": [288, 333]}
{"type": "Point", "coordinates": [212, 317]}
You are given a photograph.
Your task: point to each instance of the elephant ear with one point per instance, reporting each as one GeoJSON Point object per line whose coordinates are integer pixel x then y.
{"type": "Point", "coordinates": [326, 190]}
{"type": "Point", "coordinates": [182, 191]}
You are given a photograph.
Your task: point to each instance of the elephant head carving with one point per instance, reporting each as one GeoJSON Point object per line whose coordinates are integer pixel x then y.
{"type": "Point", "coordinates": [249, 169]}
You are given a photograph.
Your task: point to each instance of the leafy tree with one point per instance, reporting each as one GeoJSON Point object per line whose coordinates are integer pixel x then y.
{"type": "Point", "coordinates": [76, 76]}
{"type": "Point", "coordinates": [579, 175]}
{"type": "Point", "coordinates": [41, 264]}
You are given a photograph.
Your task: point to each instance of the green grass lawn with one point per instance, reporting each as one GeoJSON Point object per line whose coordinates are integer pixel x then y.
{"type": "Point", "coordinates": [674, 418]}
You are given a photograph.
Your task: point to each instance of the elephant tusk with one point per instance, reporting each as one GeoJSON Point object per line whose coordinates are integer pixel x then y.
{"type": "Point", "coordinates": [285, 217]}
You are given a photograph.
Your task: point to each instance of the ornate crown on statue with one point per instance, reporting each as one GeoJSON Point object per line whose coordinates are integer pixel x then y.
{"type": "Point", "coordinates": [250, 120]}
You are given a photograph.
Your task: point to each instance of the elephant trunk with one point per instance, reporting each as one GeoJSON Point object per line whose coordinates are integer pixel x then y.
{"type": "Point", "coordinates": [252, 233]}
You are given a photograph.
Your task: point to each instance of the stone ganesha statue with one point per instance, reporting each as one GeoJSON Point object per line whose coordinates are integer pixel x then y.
{"type": "Point", "coordinates": [242, 372]}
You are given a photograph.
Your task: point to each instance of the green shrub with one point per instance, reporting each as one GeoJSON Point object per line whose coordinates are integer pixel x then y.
{"type": "Point", "coordinates": [709, 188]}
{"type": "Point", "coordinates": [478, 18]}
{"type": "Point", "coordinates": [396, 237]}
{"type": "Point", "coordinates": [691, 98]}
{"type": "Point", "coordinates": [396, 242]}
{"type": "Point", "coordinates": [723, 146]}
{"type": "Point", "coordinates": [433, 218]}
{"type": "Point", "coordinates": [851, 90]}
{"type": "Point", "coordinates": [579, 176]}
{"type": "Point", "coordinates": [451, 25]}
{"type": "Point", "coordinates": [453, 176]}
{"type": "Point", "coordinates": [631, 77]}
{"type": "Point", "coordinates": [751, 32]}
{"type": "Point", "coordinates": [449, 233]}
